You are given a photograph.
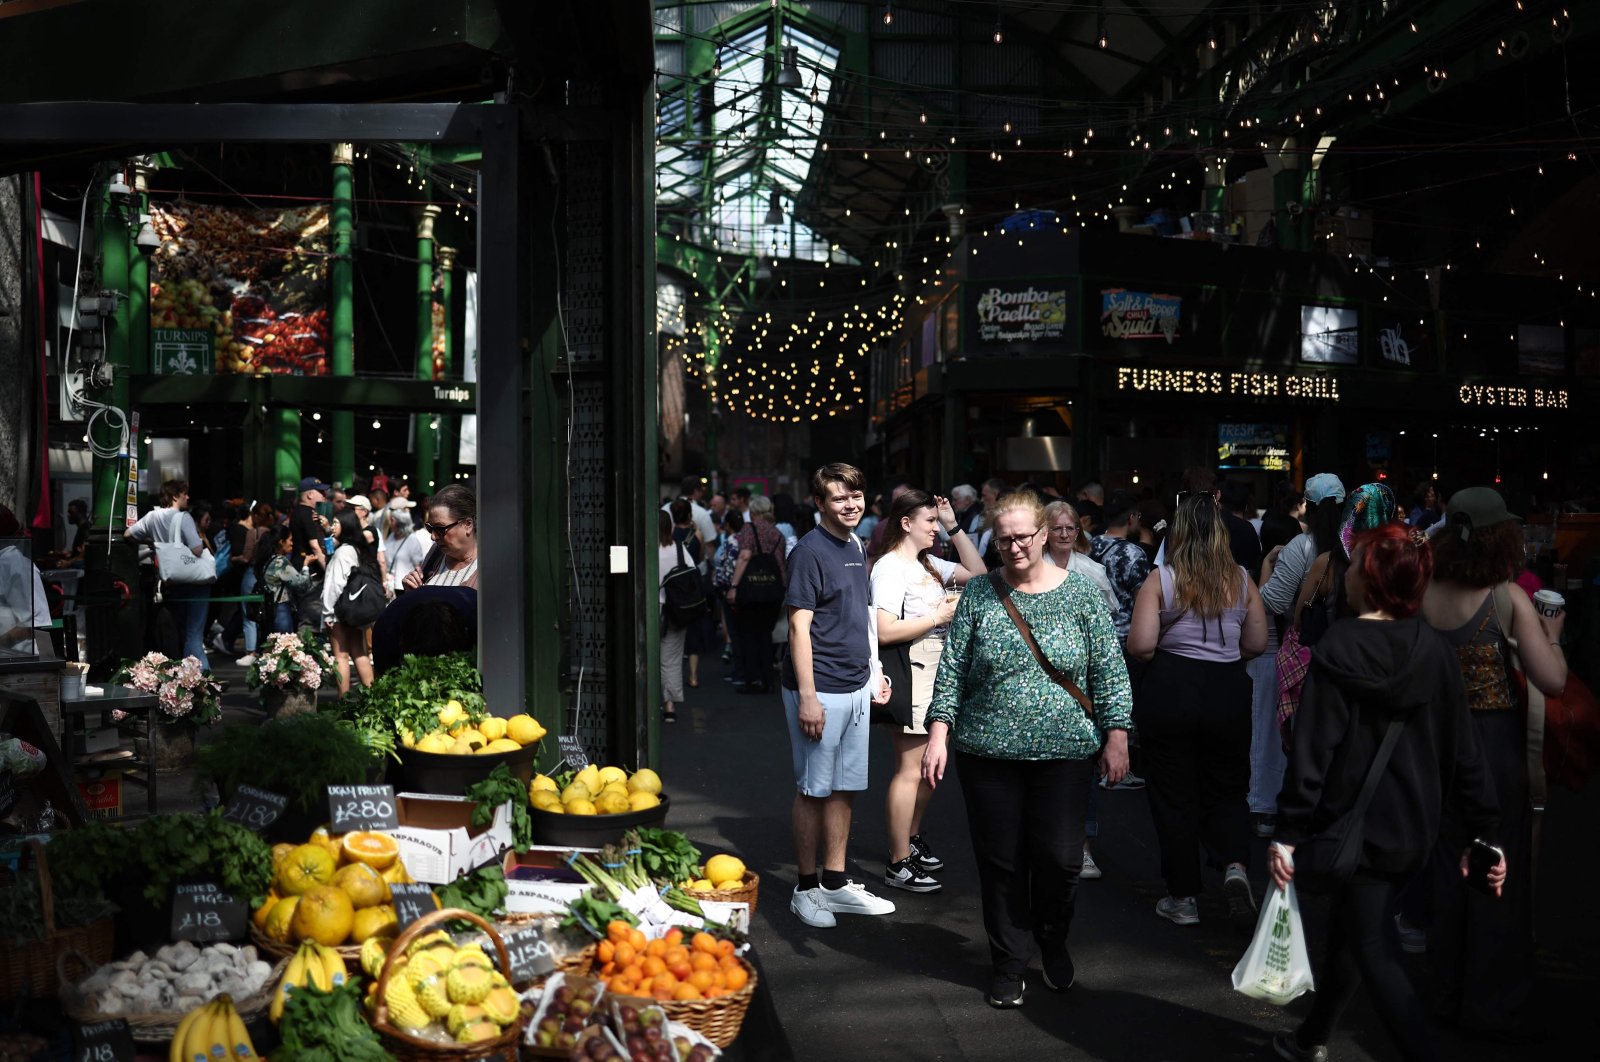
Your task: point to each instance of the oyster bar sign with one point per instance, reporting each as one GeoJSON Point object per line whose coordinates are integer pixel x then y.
{"type": "Point", "coordinates": [1026, 314]}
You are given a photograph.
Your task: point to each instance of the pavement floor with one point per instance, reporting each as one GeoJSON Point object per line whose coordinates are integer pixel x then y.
{"type": "Point", "coordinates": [910, 985]}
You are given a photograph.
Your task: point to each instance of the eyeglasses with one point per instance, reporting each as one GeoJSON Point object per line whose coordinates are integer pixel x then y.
{"type": "Point", "coordinates": [439, 530]}
{"type": "Point", "coordinates": [1063, 531]}
{"type": "Point", "coordinates": [1016, 541]}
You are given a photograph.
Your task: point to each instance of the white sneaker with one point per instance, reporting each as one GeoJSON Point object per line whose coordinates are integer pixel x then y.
{"type": "Point", "coordinates": [1091, 870]}
{"type": "Point", "coordinates": [855, 899]}
{"type": "Point", "coordinates": [246, 660]}
{"type": "Point", "coordinates": [812, 909]}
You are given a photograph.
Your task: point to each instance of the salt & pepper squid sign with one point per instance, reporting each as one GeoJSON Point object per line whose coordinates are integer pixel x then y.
{"type": "Point", "coordinates": [1139, 315]}
{"type": "Point", "coordinates": [1513, 397]}
{"type": "Point", "coordinates": [1224, 384]}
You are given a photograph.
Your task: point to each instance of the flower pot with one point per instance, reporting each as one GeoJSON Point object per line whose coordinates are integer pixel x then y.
{"type": "Point", "coordinates": [170, 746]}
{"type": "Point", "coordinates": [290, 700]}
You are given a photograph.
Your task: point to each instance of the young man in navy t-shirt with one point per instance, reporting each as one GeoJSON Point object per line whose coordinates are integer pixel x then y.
{"type": "Point", "coordinates": [829, 681]}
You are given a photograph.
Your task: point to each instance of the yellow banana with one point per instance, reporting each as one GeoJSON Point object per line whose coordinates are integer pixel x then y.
{"type": "Point", "coordinates": [195, 1042]}
{"type": "Point", "coordinates": [293, 977]}
{"type": "Point", "coordinates": [217, 1034]}
{"type": "Point", "coordinates": [238, 1036]}
{"type": "Point", "coordinates": [317, 972]}
{"type": "Point", "coordinates": [179, 1035]}
{"type": "Point", "coordinates": [333, 963]}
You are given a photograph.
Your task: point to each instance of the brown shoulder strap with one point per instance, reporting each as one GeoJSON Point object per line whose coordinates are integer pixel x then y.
{"type": "Point", "coordinates": [1002, 590]}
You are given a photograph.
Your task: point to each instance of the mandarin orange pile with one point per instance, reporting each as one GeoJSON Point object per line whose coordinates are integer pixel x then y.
{"type": "Point", "coordinates": [667, 968]}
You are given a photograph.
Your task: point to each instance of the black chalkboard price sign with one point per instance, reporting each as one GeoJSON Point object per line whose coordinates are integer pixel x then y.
{"type": "Point", "coordinates": [411, 902]}
{"type": "Point", "coordinates": [103, 1041]}
{"type": "Point", "coordinates": [255, 809]}
{"type": "Point", "coordinates": [529, 954]}
{"type": "Point", "coordinates": [361, 807]}
{"type": "Point", "coordinates": [204, 913]}
{"type": "Point", "coordinates": [572, 752]}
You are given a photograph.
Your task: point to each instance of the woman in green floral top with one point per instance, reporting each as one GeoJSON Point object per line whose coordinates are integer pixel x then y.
{"type": "Point", "coordinates": [1026, 750]}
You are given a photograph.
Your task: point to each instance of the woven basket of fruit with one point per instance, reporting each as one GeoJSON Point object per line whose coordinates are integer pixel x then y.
{"type": "Point", "coordinates": [718, 1019]}
{"type": "Point", "coordinates": [699, 980]}
{"type": "Point", "coordinates": [435, 1001]}
{"type": "Point", "coordinates": [745, 893]}
{"type": "Point", "coordinates": [154, 993]}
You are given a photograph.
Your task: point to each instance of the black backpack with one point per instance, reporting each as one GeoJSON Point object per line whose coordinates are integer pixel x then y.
{"type": "Point", "coordinates": [362, 600]}
{"type": "Point", "coordinates": [762, 583]}
{"type": "Point", "coordinates": [685, 593]}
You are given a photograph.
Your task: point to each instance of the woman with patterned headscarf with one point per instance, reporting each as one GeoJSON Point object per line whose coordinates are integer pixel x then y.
{"type": "Point", "coordinates": [1321, 599]}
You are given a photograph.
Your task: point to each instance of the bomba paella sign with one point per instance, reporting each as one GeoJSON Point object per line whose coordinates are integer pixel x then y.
{"type": "Point", "coordinates": [1030, 314]}
{"type": "Point", "coordinates": [1139, 315]}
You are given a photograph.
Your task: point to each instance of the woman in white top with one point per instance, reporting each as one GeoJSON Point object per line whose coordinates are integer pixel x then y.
{"type": "Point", "coordinates": [190, 604]}
{"type": "Point", "coordinates": [453, 523]}
{"type": "Point", "coordinates": [913, 596]}
{"type": "Point", "coordinates": [349, 643]}
{"type": "Point", "coordinates": [672, 637]}
{"type": "Point", "coordinates": [405, 545]}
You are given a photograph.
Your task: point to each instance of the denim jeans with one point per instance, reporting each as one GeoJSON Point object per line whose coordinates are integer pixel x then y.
{"type": "Point", "coordinates": [1267, 761]}
{"type": "Point", "coordinates": [191, 614]}
{"type": "Point", "coordinates": [283, 618]}
{"type": "Point", "coordinates": [240, 623]}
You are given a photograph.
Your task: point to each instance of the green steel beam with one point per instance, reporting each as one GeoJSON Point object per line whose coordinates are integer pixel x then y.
{"type": "Point", "coordinates": [110, 473]}
{"type": "Point", "coordinates": [425, 435]}
{"type": "Point", "coordinates": [447, 429]}
{"type": "Point", "coordinates": [341, 304]}
{"type": "Point", "coordinates": [356, 393]}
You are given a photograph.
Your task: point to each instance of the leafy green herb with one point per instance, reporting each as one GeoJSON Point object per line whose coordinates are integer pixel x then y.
{"type": "Point", "coordinates": [161, 852]}
{"type": "Point", "coordinates": [668, 856]}
{"type": "Point", "coordinates": [483, 892]}
{"type": "Point", "coordinates": [298, 756]}
{"type": "Point", "coordinates": [495, 790]}
{"type": "Point", "coordinates": [407, 699]}
{"type": "Point", "coordinates": [592, 911]}
{"type": "Point", "coordinates": [328, 1027]}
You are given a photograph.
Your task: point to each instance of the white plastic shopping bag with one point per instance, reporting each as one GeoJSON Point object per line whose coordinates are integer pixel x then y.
{"type": "Point", "coordinates": [1276, 967]}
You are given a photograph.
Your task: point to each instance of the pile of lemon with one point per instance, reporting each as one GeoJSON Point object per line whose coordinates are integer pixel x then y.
{"type": "Point", "coordinates": [597, 791]}
{"type": "Point", "coordinates": [458, 736]}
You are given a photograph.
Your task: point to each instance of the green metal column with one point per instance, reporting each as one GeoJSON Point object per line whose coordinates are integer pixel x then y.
{"type": "Point", "coordinates": [713, 362]}
{"type": "Point", "coordinates": [448, 422]}
{"type": "Point", "coordinates": [139, 278]}
{"type": "Point", "coordinates": [426, 435]}
{"type": "Point", "coordinates": [1214, 196]}
{"type": "Point", "coordinates": [110, 482]}
{"type": "Point", "coordinates": [284, 424]}
{"type": "Point", "coordinates": [341, 305]}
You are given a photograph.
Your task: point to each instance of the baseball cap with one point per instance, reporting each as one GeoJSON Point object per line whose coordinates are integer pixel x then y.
{"type": "Point", "coordinates": [401, 503]}
{"type": "Point", "coordinates": [1476, 507]}
{"type": "Point", "coordinates": [359, 501]}
{"type": "Point", "coordinates": [1324, 485]}
{"type": "Point", "coordinates": [313, 483]}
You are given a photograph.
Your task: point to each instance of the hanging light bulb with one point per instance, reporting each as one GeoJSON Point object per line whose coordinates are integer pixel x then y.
{"type": "Point", "coordinates": [888, 13]}
{"type": "Point", "coordinates": [999, 33]}
{"type": "Point", "coordinates": [1100, 33]}
{"type": "Point", "coordinates": [789, 76]}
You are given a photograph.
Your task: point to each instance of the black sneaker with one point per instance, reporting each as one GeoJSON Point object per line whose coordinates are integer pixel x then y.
{"type": "Point", "coordinates": [923, 854]}
{"type": "Point", "coordinates": [1006, 989]}
{"type": "Point", "coordinates": [1059, 973]}
{"type": "Point", "coordinates": [908, 875]}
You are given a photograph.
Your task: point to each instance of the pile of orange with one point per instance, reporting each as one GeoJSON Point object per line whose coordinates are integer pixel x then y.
{"type": "Point", "coordinates": [667, 968]}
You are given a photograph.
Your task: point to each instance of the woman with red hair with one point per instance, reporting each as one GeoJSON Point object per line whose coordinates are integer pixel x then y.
{"type": "Point", "coordinates": [1387, 665]}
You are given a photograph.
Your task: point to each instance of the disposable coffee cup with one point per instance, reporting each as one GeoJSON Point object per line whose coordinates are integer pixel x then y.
{"type": "Point", "coordinates": [1549, 603]}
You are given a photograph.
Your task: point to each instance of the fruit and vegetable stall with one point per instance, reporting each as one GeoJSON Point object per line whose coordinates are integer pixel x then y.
{"type": "Point", "coordinates": [394, 879]}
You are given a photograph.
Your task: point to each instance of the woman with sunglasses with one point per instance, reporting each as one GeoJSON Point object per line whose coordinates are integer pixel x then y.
{"type": "Point", "coordinates": [1197, 619]}
{"type": "Point", "coordinates": [1027, 747]}
{"type": "Point", "coordinates": [453, 523]}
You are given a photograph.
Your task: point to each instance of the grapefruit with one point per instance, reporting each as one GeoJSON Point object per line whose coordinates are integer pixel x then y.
{"type": "Point", "coordinates": [307, 866]}
{"type": "Point", "coordinates": [376, 850]}
{"type": "Point", "coordinates": [364, 885]}
{"type": "Point", "coordinates": [373, 923]}
{"type": "Point", "coordinates": [280, 920]}
{"type": "Point", "coordinates": [325, 915]}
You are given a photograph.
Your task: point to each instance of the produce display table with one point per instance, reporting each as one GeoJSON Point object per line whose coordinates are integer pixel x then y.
{"type": "Point", "coordinates": [74, 711]}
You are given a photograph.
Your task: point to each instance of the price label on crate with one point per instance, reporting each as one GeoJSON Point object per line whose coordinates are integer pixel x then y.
{"type": "Point", "coordinates": [572, 752]}
{"type": "Point", "coordinates": [361, 807]}
{"type": "Point", "coordinates": [103, 1041]}
{"type": "Point", "coordinates": [204, 913]}
{"type": "Point", "coordinates": [8, 791]}
{"type": "Point", "coordinates": [255, 809]}
{"type": "Point", "coordinates": [411, 902]}
{"type": "Point", "coordinates": [530, 955]}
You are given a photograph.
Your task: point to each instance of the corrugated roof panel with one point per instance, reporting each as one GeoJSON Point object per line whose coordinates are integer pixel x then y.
{"type": "Point", "coordinates": [914, 63]}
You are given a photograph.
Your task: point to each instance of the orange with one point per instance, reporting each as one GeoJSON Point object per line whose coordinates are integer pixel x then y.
{"type": "Point", "coordinates": [618, 931]}
{"type": "Point", "coordinates": [724, 947]}
{"type": "Point", "coordinates": [680, 970]}
{"type": "Point", "coordinates": [654, 967]}
{"type": "Point", "coordinates": [701, 961]}
{"type": "Point", "coordinates": [376, 850]}
{"type": "Point", "coordinates": [637, 939]}
{"type": "Point", "coordinates": [279, 851]}
{"type": "Point", "coordinates": [624, 954]}
{"type": "Point", "coordinates": [607, 951]}
{"type": "Point", "coordinates": [324, 915]}
{"type": "Point", "coordinates": [702, 980]}
{"type": "Point", "coordinates": [621, 986]}
{"type": "Point", "coordinates": [704, 942]}
{"type": "Point", "coordinates": [664, 983]}
{"type": "Point", "coordinates": [737, 978]}
{"type": "Point", "coordinates": [676, 954]}
{"type": "Point", "coordinates": [321, 836]}
{"type": "Point", "coordinates": [376, 921]}
{"type": "Point", "coordinates": [279, 925]}
{"type": "Point", "coordinates": [656, 948]}
{"type": "Point", "coordinates": [261, 913]}
{"type": "Point", "coordinates": [673, 936]}
{"type": "Point", "coordinates": [307, 866]}
{"type": "Point", "coordinates": [685, 992]}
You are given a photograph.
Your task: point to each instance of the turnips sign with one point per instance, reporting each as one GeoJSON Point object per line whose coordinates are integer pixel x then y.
{"type": "Point", "coordinates": [1006, 315]}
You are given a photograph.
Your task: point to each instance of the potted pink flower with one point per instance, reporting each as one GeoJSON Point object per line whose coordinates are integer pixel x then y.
{"type": "Point", "coordinates": [186, 699]}
{"type": "Point", "coordinates": [288, 671]}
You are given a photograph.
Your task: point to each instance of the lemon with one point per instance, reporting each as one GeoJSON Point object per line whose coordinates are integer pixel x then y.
{"type": "Point", "coordinates": [407, 738]}
{"type": "Point", "coordinates": [524, 729]}
{"type": "Point", "coordinates": [611, 803]}
{"type": "Point", "coordinates": [436, 742]}
{"type": "Point", "coordinates": [615, 787]}
{"type": "Point", "coordinates": [451, 714]}
{"type": "Point", "coordinates": [575, 791]}
{"type": "Point", "coordinates": [580, 807]}
{"type": "Point", "coordinates": [730, 885]}
{"type": "Point", "coordinates": [555, 807]}
{"type": "Point", "coordinates": [493, 728]}
{"type": "Point", "coordinates": [462, 747]}
{"type": "Point", "coordinates": [644, 780]}
{"type": "Point", "coordinates": [590, 777]}
{"type": "Point", "coordinates": [542, 781]}
{"type": "Point", "coordinates": [702, 885]}
{"type": "Point", "coordinates": [501, 745]}
{"type": "Point", "coordinates": [544, 799]}
{"type": "Point", "coordinates": [613, 774]}
{"type": "Point", "coordinates": [472, 736]}
{"type": "Point", "coordinates": [725, 868]}
{"type": "Point", "coordinates": [643, 801]}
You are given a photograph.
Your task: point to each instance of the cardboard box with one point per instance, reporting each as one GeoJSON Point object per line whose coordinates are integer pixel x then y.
{"type": "Point", "coordinates": [539, 880]}
{"type": "Point", "coordinates": [438, 842]}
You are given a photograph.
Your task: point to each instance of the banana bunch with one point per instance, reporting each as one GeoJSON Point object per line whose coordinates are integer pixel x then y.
{"type": "Point", "coordinates": [212, 1032]}
{"type": "Point", "coordinates": [316, 965]}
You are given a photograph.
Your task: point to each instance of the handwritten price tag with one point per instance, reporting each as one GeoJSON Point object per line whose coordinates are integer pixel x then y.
{"type": "Point", "coordinates": [411, 902]}
{"type": "Point", "coordinates": [103, 1041]}
{"type": "Point", "coordinates": [255, 809]}
{"type": "Point", "coordinates": [529, 954]}
{"type": "Point", "coordinates": [204, 913]}
{"type": "Point", "coordinates": [572, 752]}
{"type": "Point", "coordinates": [361, 807]}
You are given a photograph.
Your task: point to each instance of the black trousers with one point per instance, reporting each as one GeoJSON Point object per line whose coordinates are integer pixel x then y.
{"type": "Point", "coordinates": [1194, 727]}
{"type": "Point", "coordinates": [1362, 947]}
{"type": "Point", "coordinates": [1026, 818]}
{"type": "Point", "coordinates": [753, 642]}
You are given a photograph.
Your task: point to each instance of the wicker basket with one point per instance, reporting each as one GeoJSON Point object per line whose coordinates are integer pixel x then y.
{"type": "Point", "coordinates": [718, 1020]}
{"type": "Point", "coordinates": [149, 1028]}
{"type": "Point", "coordinates": [745, 893]}
{"type": "Point", "coordinates": [29, 969]}
{"type": "Point", "coordinates": [277, 949]}
{"type": "Point", "coordinates": [406, 1047]}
